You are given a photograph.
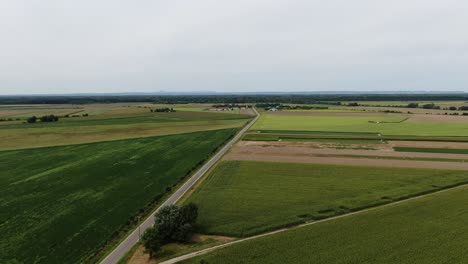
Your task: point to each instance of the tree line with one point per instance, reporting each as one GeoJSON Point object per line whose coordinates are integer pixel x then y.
{"type": "Point", "coordinates": [163, 110]}
{"type": "Point", "coordinates": [46, 118]}
{"type": "Point", "coordinates": [230, 99]}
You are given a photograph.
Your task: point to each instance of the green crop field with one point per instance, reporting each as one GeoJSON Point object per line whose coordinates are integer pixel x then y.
{"type": "Point", "coordinates": [61, 204]}
{"type": "Point", "coordinates": [432, 150]}
{"type": "Point", "coordinates": [368, 124]}
{"type": "Point", "coordinates": [241, 198]}
{"type": "Point", "coordinates": [116, 126]}
{"type": "Point", "coordinates": [427, 230]}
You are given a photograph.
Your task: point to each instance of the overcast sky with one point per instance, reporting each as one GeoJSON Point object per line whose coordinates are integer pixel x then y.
{"type": "Point", "coordinates": [70, 46]}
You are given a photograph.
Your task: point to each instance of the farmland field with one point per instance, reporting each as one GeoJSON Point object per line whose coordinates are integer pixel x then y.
{"type": "Point", "coordinates": [432, 150]}
{"type": "Point", "coordinates": [108, 123]}
{"type": "Point", "coordinates": [386, 125]}
{"type": "Point", "coordinates": [62, 204]}
{"type": "Point", "coordinates": [427, 230]}
{"type": "Point", "coordinates": [242, 198]}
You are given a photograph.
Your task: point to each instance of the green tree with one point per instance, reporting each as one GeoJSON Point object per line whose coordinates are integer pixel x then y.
{"type": "Point", "coordinates": [151, 241]}
{"type": "Point", "coordinates": [32, 119]}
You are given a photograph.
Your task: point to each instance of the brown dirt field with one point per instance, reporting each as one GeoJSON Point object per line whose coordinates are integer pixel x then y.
{"type": "Point", "coordinates": [437, 119]}
{"type": "Point", "coordinates": [300, 152]}
{"type": "Point", "coordinates": [317, 145]}
{"type": "Point", "coordinates": [201, 238]}
{"type": "Point", "coordinates": [429, 144]}
{"type": "Point", "coordinates": [140, 257]}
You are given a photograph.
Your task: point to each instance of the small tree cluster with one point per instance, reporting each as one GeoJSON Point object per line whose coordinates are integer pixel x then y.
{"type": "Point", "coordinates": [163, 110]}
{"type": "Point", "coordinates": [172, 224]}
{"type": "Point", "coordinates": [49, 118]}
{"type": "Point", "coordinates": [31, 119]}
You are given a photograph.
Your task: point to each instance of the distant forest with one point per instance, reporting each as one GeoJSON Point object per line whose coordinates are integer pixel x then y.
{"type": "Point", "coordinates": [262, 98]}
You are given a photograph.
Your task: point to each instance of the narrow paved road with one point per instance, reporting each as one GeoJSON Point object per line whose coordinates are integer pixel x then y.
{"type": "Point", "coordinates": [134, 237]}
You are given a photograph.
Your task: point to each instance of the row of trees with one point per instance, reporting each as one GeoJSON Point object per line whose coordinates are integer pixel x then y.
{"type": "Point", "coordinates": [434, 106]}
{"type": "Point", "coordinates": [46, 118]}
{"type": "Point", "coordinates": [290, 107]}
{"type": "Point", "coordinates": [163, 110]}
{"type": "Point", "coordinates": [293, 98]}
{"type": "Point", "coordinates": [172, 224]}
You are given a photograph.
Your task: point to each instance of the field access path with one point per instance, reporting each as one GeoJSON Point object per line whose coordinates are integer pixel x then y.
{"type": "Point", "coordinates": [134, 236]}
{"type": "Point", "coordinates": [207, 250]}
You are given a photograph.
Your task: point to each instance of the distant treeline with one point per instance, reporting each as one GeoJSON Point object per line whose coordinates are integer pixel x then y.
{"type": "Point", "coordinates": [230, 99]}
{"type": "Point", "coordinates": [46, 118]}
{"type": "Point", "coordinates": [163, 110]}
{"type": "Point", "coordinates": [291, 107]}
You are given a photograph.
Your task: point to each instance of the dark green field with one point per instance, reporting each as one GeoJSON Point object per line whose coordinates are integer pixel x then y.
{"type": "Point", "coordinates": [241, 198]}
{"type": "Point", "coordinates": [432, 150]}
{"type": "Point", "coordinates": [424, 231]}
{"type": "Point", "coordinates": [61, 204]}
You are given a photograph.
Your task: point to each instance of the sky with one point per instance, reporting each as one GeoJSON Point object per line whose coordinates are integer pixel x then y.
{"type": "Point", "coordinates": [105, 46]}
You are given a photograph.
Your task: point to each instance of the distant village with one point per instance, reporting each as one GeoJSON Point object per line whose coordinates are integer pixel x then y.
{"type": "Point", "coordinates": [227, 107]}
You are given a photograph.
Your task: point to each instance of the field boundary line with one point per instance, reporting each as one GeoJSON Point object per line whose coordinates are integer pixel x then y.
{"type": "Point", "coordinates": [131, 239]}
{"type": "Point", "coordinates": [207, 250]}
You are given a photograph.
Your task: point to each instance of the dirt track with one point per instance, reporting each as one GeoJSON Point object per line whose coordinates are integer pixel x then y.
{"type": "Point", "coordinates": [303, 153]}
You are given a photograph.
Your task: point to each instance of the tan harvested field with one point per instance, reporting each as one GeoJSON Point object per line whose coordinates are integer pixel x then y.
{"type": "Point", "coordinates": [40, 137]}
{"type": "Point", "coordinates": [310, 152]}
{"type": "Point", "coordinates": [198, 242]}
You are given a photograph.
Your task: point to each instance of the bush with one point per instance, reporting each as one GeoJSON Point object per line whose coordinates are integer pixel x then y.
{"type": "Point", "coordinates": [49, 118]}
{"type": "Point", "coordinates": [431, 106]}
{"type": "Point", "coordinates": [172, 224]}
{"type": "Point", "coordinates": [32, 119]}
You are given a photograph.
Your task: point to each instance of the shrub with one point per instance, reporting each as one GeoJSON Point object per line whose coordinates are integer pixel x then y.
{"type": "Point", "coordinates": [172, 224]}
{"type": "Point", "coordinates": [32, 119]}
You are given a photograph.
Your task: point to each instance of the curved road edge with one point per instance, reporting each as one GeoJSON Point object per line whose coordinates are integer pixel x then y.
{"type": "Point", "coordinates": [134, 236]}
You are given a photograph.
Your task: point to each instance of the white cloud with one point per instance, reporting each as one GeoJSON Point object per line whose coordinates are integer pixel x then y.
{"type": "Point", "coordinates": [269, 45]}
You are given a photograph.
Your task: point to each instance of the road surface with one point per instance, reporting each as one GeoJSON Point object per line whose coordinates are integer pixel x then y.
{"type": "Point", "coordinates": [134, 237]}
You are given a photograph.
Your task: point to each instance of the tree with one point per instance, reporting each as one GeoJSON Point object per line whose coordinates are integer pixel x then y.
{"type": "Point", "coordinates": [452, 108]}
{"type": "Point", "coordinates": [176, 223]}
{"type": "Point", "coordinates": [32, 119]}
{"type": "Point", "coordinates": [151, 241]}
{"type": "Point", "coordinates": [172, 224]}
{"type": "Point", "coordinates": [431, 106]}
{"type": "Point", "coordinates": [413, 105]}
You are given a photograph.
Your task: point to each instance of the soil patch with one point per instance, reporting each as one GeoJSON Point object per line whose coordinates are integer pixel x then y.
{"type": "Point", "coordinates": [302, 152]}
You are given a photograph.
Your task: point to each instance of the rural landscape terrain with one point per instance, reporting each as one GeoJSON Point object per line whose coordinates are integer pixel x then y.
{"type": "Point", "coordinates": [259, 179]}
